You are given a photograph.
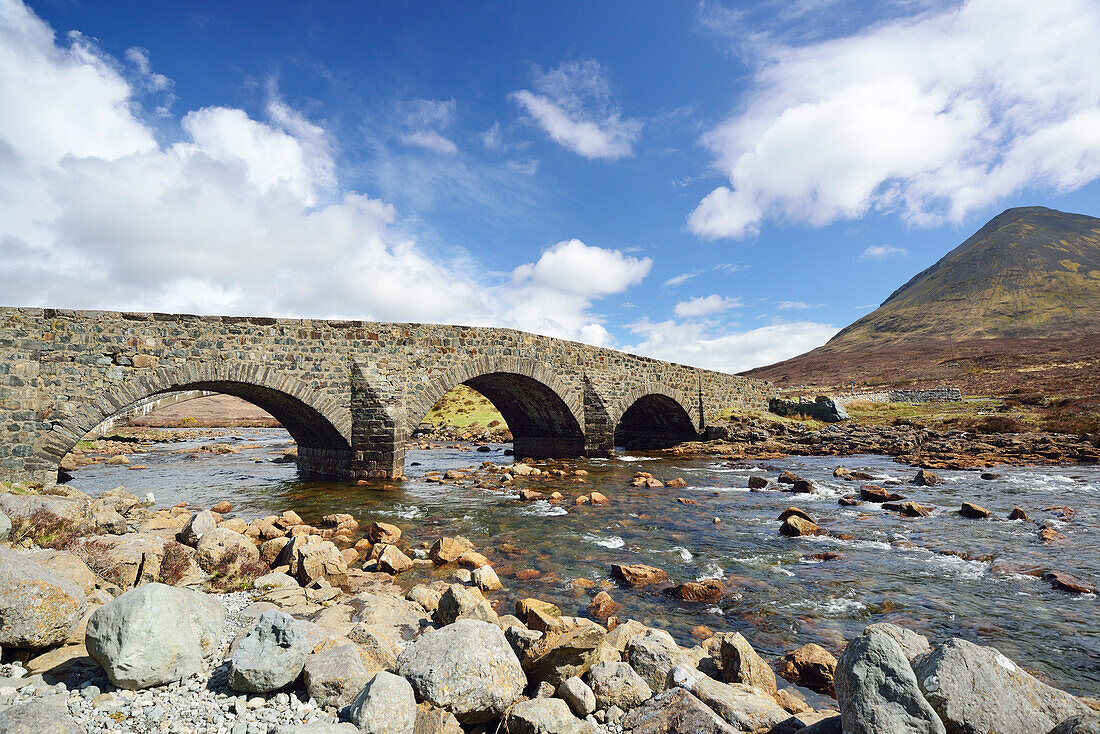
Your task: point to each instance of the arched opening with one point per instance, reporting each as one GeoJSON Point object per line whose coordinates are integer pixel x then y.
{"type": "Point", "coordinates": [321, 448]}
{"type": "Point", "coordinates": [541, 423]}
{"type": "Point", "coordinates": [654, 422]}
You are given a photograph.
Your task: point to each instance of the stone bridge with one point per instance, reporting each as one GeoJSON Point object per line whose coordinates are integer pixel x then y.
{"type": "Point", "coordinates": [349, 392]}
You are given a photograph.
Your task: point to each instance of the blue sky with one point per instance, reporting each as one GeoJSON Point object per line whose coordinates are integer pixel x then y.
{"type": "Point", "coordinates": [720, 184]}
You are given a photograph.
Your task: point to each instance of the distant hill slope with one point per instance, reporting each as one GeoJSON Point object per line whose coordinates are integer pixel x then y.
{"type": "Point", "coordinates": [1029, 272]}
{"type": "Point", "coordinates": [1017, 305]}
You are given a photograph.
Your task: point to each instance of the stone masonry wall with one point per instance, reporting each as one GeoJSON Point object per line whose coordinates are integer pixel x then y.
{"type": "Point", "coordinates": [349, 392]}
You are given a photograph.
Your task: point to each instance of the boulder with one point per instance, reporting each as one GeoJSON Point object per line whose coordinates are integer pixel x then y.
{"type": "Point", "coordinates": [383, 532]}
{"type": "Point", "coordinates": [794, 526]}
{"type": "Point", "coordinates": [603, 606]}
{"type": "Point", "coordinates": [272, 654]}
{"type": "Point", "coordinates": [757, 482]}
{"type": "Point", "coordinates": [653, 654]}
{"type": "Point", "coordinates": [486, 579]}
{"type": "Point", "coordinates": [794, 511]}
{"type": "Point", "coordinates": [377, 646]}
{"type": "Point", "coordinates": [44, 716]}
{"type": "Point", "coordinates": [973, 511]}
{"type": "Point", "coordinates": [1082, 724]}
{"type": "Point", "coordinates": [561, 656]}
{"type": "Point", "coordinates": [5, 527]}
{"type": "Point", "coordinates": [878, 692]}
{"type": "Point", "coordinates": [707, 590]}
{"type": "Point", "coordinates": [744, 707]}
{"type": "Point", "coordinates": [386, 705]}
{"type": "Point", "coordinates": [275, 581]}
{"type": "Point", "coordinates": [925, 478]}
{"type": "Point", "coordinates": [616, 684]}
{"type": "Point", "coordinates": [878, 495]}
{"type": "Point", "coordinates": [1068, 583]}
{"type": "Point", "coordinates": [788, 477]}
{"type": "Point", "coordinates": [396, 617]}
{"type": "Point", "coordinates": [128, 560]}
{"type": "Point", "coordinates": [425, 596]}
{"type": "Point", "coordinates": [334, 676]}
{"type": "Point", "coordinates": [912, 644]}
{"type": "Point", "coordinates": [199, 525]}
{"type": "Point", "coordinates": [219, 545]}
{"type": "Point", "coordinates": [106, 519]}
{"type": "Point", "coordinates": [310, 557]}
{"type": "Point", "coordinates": [65, 565]}
{"type": "Point", "coordinates": [544, 716]}
{"type": "Point", "coordinates": [638, 574]}
{"type": "Point", "coordinates": [155, 634]}
{"type": "Point", "coordinates": [977, 689]}
{"type": "Point", "coordinates": [392, 560]}
{"type": "Point", "coordinates": [578, 695]}
{"type": "Point", "coordinates": [38, 608]}
{"type": "Point", "coordinates": [810, 666]}
{"type": "Point", "coordinates": [459, 602]}
{"type": "Point", "coordinates": [675, 711]}
{"type": "Point", "coordinates": [908, 508]}
{"type": "Point", "coordinates": [739, 663]}
{"type": "Point", "coordinates": [467, 668]}
{"type": "Point", "coordinates": [72, 509]}
{"type": "Point", "coordinates": [448, 550]}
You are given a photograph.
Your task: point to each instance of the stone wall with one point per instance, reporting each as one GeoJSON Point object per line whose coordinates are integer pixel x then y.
{"type": "Point", "coordinates": [349, 392]}
{"type": "Point", "coordinates": [931, 395]}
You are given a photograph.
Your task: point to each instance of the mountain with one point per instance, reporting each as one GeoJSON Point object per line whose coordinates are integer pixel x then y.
{"type": "Point", "coordinates": [1029, 272]}
{"type": "Point", "coordinates": [1018, 301]}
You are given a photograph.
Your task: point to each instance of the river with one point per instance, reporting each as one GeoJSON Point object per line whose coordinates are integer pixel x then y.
{"type": "Point", "coordinates": [943, 575]}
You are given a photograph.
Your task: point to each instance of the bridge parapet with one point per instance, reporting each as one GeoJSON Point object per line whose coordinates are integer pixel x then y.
{"type": "Point", "coordinates": [349, 392]}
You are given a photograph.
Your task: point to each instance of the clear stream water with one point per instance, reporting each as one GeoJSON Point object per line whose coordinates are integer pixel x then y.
{"type": "Point", "coordinates": [894, 570]}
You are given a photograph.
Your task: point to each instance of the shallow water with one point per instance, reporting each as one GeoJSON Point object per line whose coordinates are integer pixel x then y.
{"type": "Point", "coordinates": [895, 570]}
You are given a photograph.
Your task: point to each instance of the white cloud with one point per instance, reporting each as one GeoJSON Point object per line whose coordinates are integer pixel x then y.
{"type": "Point", "coordinates": [678, 280]}
{"type": "Point", "coordinates": [797, 305]}
{"type": "Point", "coordinates": [697, 343]}
{"type": "Point", "coordinates": [241, 216]}
{"type": "Point", "coordinates": [705, 305]}
{"type": "Point", "coordinates": [424, 120]}
{"type": "Point", "coordinates": [882, 252]}
{"type": "Point", "coordinates": [153, 81]}
{"type": "Point", "coordinates": [933, 115]}
{"type": "Point", "coordinates": [573, 104]}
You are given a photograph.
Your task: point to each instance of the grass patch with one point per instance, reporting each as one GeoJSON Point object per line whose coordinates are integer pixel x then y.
{"type": "Point", "coordinates": [235, 572]}
{"type": "Point", "coordinates": [737, 415]}
{"type": "Point", "coordinates": [463, 407]}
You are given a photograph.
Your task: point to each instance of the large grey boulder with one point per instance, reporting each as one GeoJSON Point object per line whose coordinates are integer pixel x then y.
{"type": "Point", "coordinates": [38, 608]}
{"type": "Point", "coordinates": [616, 684]}
{"type": "Point", "coordinates": [218, 545]}
{"type": "Point", "coordinates": [73, 509]}
{"type": "Point", "coordinates": [38, 717]}
{"type": "Point", "coordinates": [466, 668]}
{"type": "Point", "coordinates": [912, 644]}
{"type": "Point", "coordinates": [197, 526]}
{"type": "Point", "coordinates": [272, 654]}
{"type": "Point", "coordinates": [386, 705]}
{"type": "Point", "coordinates": [333, 677]}
{"type": "Point", "coordinates": [675, 711]}
{"type": "Point", "coordinates": [977, 689]}
{"type": "Point", "coordinates": [458, 602]}
{"type": "Point", "coordinates": [154, 634]}
{"type": "Point", "coordinates": [401, 617]}
{"type": "Point", "coordinates": [739, 663]}
{"type": "Point", "coordinates": [544, 716]}
{"type": "Point", "coordinates": [878, 692]}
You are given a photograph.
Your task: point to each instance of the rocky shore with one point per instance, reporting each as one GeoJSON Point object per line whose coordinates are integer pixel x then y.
{"type": "Point", "coordinates": [907, 442]}
{"type": "Point", "coordinates": [118, 617]}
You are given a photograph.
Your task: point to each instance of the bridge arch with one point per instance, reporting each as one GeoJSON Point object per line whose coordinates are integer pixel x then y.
{"type": "Point", "coordinates": [319, 425]}
{"type": "Point", "coordinates": [654, 416]}
{"type": "Point", "coordinates": [544, 415]}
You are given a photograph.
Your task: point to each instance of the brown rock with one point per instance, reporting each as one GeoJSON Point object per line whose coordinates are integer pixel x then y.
{"type": "Point", "coordinates": [383, 532]}
{"type": "Point", "coordinates": [909, 509]}
{"type": "Point", "coordinates": [974, 512]}
{"type": "Point", "coordinates": [598, 499]}
{"type": "Point", "coordinates": [472, 559]}
{"type": "Point", "coordinates": [757, 482]}
{"type": "Point", "coordinates": [739, 663]}
{"type": "Point", "coordinates": [448, 550]}
{"type": "Point", "coordinates": [802, 486]}
{"type": "Point", "coordinates": [677, 483]}
{"type": "Point", "coordinates": [1017, 514]}
{"type": "Point", "coordinates": [925, 478]}
{"type": "Point", "coordinates": [392, 560]}
{"type": "Point", "coordinates": [707, 590]}
{"type": "Point", "coordinates": [1066, 582]}
{"type": "Point", "coordinates": [222, 507]}
{"type": "Point", "coordinates": [788, 477]}
{"type": "Point", "coordinates": [874, 493]}
{"type": "Point", "coordinates": [528, 574]}
{"type": "Point", "coordinates": [145, 361]}
{"type": "Point", "coordinates": [310, 558]}
{"type": "Point", "coordinates": [795, 526]}
{"type": "Point", "coordinates": [1050, 534]}
{"type": "Point", "coordinates": [848, 500]}
{"type": "Point", "coordinates": [603, 606]}
{"type": "Point", "coordinates": [810, 666]}
{"type": "Point", "coordinates": [530, 495]}
{"type": "Point", "coordinates": [638, 574]}
{"type": "Point", "coordinates": [794, 512]}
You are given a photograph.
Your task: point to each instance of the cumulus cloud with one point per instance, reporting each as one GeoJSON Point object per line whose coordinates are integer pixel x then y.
{"type": "Point", "coordinates": [574, 105]}
{"type": "Point", "coordinates": [241, 215]}
{"type": "Point", "coordinates": [933, 116]}
{"type": "Point", "coordinates": [705, 306]}
{"type": "Point", "coordinates": [882, 252]}
{"type": "Point", "coordinates": [701, 344]}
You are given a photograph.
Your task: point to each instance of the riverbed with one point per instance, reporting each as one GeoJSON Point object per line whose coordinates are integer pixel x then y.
{"type": "Point", "coordinates": [943, 575]}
